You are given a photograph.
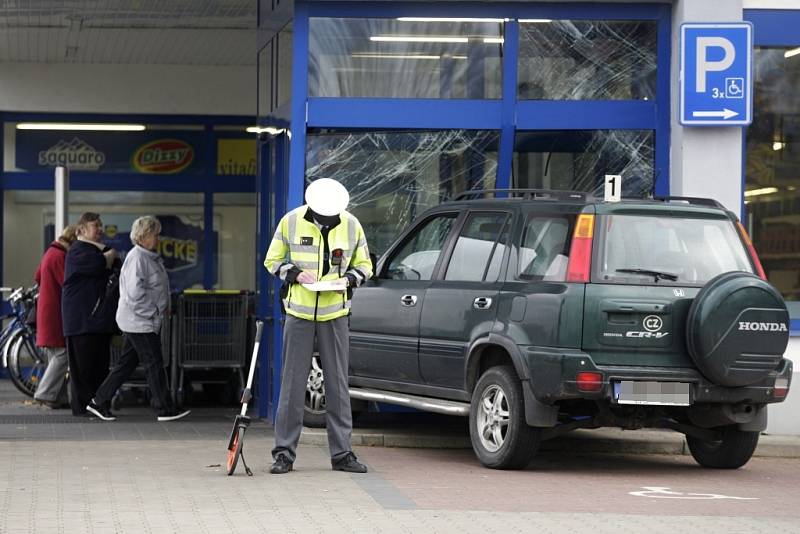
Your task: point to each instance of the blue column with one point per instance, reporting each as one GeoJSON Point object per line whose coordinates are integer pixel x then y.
{"type": "Point", "coordinates": [263, 282]}
{"type": "Point", "coordinates": [508, 120]}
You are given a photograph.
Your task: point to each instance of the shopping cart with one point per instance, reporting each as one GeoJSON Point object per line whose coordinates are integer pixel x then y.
{"type": "Point", "coordinates": [212, 335]}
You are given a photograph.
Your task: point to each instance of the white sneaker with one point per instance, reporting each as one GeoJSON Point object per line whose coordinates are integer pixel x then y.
{"type": "Point", "coordinates": [173, 415]}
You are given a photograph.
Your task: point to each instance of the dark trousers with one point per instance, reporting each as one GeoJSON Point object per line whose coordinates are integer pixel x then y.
{"type": "Point", "coordinates": [145, 348]}
{"type": "Point", "coordinates": [89, 355]}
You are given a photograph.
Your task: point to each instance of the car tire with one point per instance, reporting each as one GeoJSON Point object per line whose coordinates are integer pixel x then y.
{"type": "Point", "coordinates": [733, 451]}
{"type": "Point", "coordinates": [497, 403]}
{"type": "Point", "coordinates": [314, 414]}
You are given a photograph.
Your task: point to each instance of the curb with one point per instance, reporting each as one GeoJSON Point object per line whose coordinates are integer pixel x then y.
{"type": "Point", "coordinates": [604, 440]}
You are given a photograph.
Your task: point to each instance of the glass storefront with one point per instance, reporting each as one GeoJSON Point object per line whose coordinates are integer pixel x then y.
{"type": "Point", "coordinates": [404, 58]}
{"type": "Point", "coordinates": [162, 171]}
{"type": "Point", "coordinates": [587, 60]}
{"type": "Point", "coordinates": [578, 160]}
{"type": "Point", "coordinates": [394, 176]}
{"type": "Point", "coordinates": [772, 193]}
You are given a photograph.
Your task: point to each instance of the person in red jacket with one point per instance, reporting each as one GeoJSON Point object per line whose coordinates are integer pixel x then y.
{"type": "Point", "coordinates": [52, 391]}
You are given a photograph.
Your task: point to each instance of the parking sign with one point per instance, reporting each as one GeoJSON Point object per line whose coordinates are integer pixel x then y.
{"type": "Point", "coordinates": [716, 74]}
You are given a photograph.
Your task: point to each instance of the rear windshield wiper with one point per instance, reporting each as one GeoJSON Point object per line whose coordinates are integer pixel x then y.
{"type": "Point", "coordinates": [658, 275]}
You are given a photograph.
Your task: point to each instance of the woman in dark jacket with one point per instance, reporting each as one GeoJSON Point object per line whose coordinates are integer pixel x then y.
{"type": "Point", "coordinates": [88, 307]}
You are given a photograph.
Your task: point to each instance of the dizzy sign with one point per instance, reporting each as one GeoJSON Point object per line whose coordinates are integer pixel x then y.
{"type": "Point", "coordinates": [164, 156]}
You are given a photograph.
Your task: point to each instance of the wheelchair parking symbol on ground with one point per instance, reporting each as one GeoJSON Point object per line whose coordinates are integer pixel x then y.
{"type": "Point", "coordinates": [661, 492]}
{"type": "Point", "coordinates": [716, 74]}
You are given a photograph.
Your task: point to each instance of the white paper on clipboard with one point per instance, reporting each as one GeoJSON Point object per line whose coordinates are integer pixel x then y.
{"type": "Point", "coordinates": [339, 284]}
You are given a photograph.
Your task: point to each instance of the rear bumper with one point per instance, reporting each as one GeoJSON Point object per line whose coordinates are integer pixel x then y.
{"type": "Point", "coordinates": [553, 378]}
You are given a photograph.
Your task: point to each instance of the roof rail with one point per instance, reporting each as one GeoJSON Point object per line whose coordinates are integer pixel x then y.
{"type": "Point", "coordinates": [697, 201]}
{"type": "Point", "coordinates": [526, 194]}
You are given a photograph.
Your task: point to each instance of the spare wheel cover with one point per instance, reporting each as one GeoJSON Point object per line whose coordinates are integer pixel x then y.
{"type": "Point", "coordinates": [737, 329]}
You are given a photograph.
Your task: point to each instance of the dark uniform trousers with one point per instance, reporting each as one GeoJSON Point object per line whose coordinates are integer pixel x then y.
{"type": "Point", "coordinates": [333, 341]}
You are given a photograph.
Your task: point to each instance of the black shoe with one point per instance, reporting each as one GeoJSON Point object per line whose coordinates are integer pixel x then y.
{"type": "Point", "coordinates": [98, 411]}
{"type": "Point", "coordinates": [348, 463]}
{"type": "Point", "coordinates": [172, 415]}
{"type": "Point", "coordinates": [281, 466]}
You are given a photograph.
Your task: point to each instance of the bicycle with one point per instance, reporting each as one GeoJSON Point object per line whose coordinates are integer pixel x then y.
{"type": "Point", "coordinates": [23, 360]}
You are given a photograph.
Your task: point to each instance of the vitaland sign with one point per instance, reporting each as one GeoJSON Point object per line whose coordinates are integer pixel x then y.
{"type": "Point", "coordinates": [716, 74]}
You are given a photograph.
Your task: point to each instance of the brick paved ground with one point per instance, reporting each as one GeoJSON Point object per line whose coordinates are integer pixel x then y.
{"type": "Point", "coordinates": [136, 475]}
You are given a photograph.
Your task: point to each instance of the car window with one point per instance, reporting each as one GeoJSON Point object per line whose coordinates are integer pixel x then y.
{"type": "Point", "coordinates": [479, 249]}
{"type": "Point", "coordinates": [544, 251]}
{"type": "Point", "coordinates": [680, 250]}
{"type": "Point", "coordinates": [417, 258]}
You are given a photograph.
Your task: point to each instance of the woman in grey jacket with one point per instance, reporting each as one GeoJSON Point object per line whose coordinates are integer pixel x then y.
{"type": "Point", "coordinates": [143, 305]}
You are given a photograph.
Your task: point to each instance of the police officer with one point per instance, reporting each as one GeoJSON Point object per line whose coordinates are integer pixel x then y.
{"type": "Point", "coordinates": [317, 242]}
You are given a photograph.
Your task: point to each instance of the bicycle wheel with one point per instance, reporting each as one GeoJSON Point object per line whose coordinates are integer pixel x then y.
{"type": "Point", "coordinates": [26, 364]}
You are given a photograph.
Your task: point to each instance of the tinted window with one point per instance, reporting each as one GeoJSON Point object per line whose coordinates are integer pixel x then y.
{"type": "Point", "coordinates": [417, 258]}
{"type": "Point", "coordinates": [693, 250]}
{"type": "Point", "coordinates": [544, 250]}
{"type": "Point", "coordinates": [479, 249]}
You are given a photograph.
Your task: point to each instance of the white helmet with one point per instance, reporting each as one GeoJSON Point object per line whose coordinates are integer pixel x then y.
{"type": "Point", "coordinates": [327, 197]}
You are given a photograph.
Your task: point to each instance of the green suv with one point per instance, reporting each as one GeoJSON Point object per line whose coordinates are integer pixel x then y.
{"type": "Point", "coordinates": [535, 313]}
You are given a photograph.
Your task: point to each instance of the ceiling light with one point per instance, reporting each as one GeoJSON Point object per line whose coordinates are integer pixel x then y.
{"type": "Point", "coordinates": [777, 145]}
{"type": "Point", "coordinates": [267, 129]}
{"type": "Point", "coordinates": [536, 21]}
{"type": "Point", "coordinates": [417, 39]}
{"type": "Point", "coordinates": [493, 40]}
{"type": "Point", "coordinates": [392, 56]}
{"type": "Point", "coordinates": [792, 52]}
{"type": "Point", "coordinates": [760, 191]}
{"type": "Point", "coordinates": [78, 126]}
{"type": "Point", "coordinates": [457, 19]}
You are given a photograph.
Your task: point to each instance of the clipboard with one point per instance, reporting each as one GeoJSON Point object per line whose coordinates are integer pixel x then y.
{"type": "Point", "coordinates": [339, 284]}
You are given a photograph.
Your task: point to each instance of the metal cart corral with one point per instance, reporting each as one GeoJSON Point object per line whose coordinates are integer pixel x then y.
{"type": "Point", "coordinates": [212, 329]}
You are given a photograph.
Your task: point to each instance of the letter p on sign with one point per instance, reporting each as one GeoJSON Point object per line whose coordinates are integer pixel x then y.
{"type": "Point", "coordinates": [705, 65]}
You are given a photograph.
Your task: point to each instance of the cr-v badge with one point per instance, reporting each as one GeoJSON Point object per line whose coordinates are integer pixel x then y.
{"type": "Point", "coordinates": [652, 324]}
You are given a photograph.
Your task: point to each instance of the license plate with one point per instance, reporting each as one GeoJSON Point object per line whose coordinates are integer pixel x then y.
{"type": "Point", "coordinates": [656, 393]}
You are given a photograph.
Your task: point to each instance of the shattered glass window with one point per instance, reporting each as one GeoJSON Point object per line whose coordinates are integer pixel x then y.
{"type": "Point", "coordinates": [587, 60]}
{"type": "Point", "coordinates": [772, 193]}
{"type": "Point", "coordinates": [404, 58]}
{"type": "Point", "coordinates": [577, 160]}
{"type": "Point", "coordinates": [394, 176]}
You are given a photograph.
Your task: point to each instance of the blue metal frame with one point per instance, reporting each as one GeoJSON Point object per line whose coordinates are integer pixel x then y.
{"type": "Point", "coordinates": [774, 27]}
{"type": "Point", "coordinates": [506, 114]}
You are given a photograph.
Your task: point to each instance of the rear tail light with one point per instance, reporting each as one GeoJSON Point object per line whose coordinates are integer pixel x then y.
{"type": "Point", "coordinates": [580, 254]}
{"type": "Point", "coordinates": [752, 251]}
{"type": "Point", "coordinates": [781, 388]}
{"type": "Point", "coordinates": [589, 381]}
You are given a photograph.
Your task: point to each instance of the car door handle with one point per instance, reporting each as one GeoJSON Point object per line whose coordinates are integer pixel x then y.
{"type": "Point", "coordinates": [482, 303]}
{"type": "Point", "coordinates": [408, 300]}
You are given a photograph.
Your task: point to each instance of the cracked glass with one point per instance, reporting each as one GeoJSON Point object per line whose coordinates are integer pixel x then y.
{"type": "Point", "coordinates": [394, 176]}
{"type": "Point", "coordinates": [587, 60]}
{"type": "Point", "coordinates": [578, 160]}
{"type": "Point", "coordinates": [404, 58]}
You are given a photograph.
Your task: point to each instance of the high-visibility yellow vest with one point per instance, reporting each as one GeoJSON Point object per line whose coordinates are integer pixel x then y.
{"type": "Point", "coordinates": [298, 243]}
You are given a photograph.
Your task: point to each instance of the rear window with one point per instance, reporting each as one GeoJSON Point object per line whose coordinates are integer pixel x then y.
{"type": "Point", "coordinates": [641, 249]}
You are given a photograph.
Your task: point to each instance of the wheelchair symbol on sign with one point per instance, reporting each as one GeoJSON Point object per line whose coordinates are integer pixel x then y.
{"type": "Point", "coordinates": [734, 87]}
